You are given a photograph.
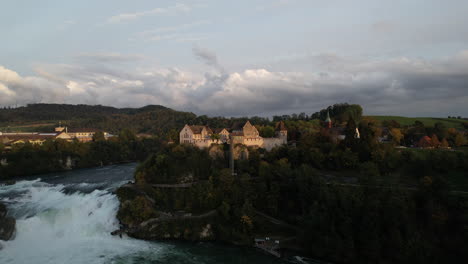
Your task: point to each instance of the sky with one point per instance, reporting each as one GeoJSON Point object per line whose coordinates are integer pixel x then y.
{"type": "Point", "coordinates": [238, 58]}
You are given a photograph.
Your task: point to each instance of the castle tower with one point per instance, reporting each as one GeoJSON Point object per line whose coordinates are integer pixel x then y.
{"type": "Point", "coordinates": [328, 121]}
{"type": "Point", "coordinates": [281, 132]}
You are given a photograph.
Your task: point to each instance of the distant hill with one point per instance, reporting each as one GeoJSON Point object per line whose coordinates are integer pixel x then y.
{"type": "Point", "coordinates": [44, 117]}
{"type": "Point", "coordinates": [427, 121]}
{"type": "Point", "coordinates": [150, 119]}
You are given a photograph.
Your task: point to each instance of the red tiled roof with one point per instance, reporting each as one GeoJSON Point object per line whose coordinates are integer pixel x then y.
{"type": "Point", "coordinates": [82, 130]}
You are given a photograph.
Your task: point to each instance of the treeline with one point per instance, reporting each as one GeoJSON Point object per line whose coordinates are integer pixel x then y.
{"type": "Point", "coordinates": [393, 207]}
{"type": "Point", "coordinates": [27, 159]}
{"type": "Point", "coordinates": [355, 200]}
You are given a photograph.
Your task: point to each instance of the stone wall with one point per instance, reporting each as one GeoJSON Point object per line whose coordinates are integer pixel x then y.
{"type": "Point", "coordinates": [203, 143]}
{"type": "Point", "coordinates": [270, 143]}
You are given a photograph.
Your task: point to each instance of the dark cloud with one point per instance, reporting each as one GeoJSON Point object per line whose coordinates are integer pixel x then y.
{"type": "Point", "coordinates": [207, 57]}
{"type": "Point", "coordinates": [399, 86]}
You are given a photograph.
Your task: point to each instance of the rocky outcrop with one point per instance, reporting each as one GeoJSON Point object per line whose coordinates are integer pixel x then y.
{"type": "Point", "coordinates": [7, 224]}
{"type": "Point", "coordinates": [3, 210]}
{"type": "Point", "coordinates": [140, 219]}
{"type": "Point", "coordinates": [216, 151]}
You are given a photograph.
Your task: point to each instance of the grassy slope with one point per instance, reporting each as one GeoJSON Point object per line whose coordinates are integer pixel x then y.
{"type": "Point", "coordinates": [428, 121]}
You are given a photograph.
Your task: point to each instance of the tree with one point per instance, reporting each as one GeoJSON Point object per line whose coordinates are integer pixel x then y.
{"type": "Point", "coordinates": [127, 135]}
{"type": "Point", "coordinates": [440, 130]}
{"type": "Point", "coordinates": [98, 136]}
{"type": "Point", "coordinates": [435, 141]}
{"type": "Point", "coordinates": [460, 140]}
{"type": "Point", "coordinates": [215, 137]}
{"type": "Point", "coordinates": [267, 131]}
{"type": "Point", "coordinates": [444, 143]}
{"type": "Point", "coordinates": [397, 136]}
{"type": "Point", "coordinates": [350, 134]}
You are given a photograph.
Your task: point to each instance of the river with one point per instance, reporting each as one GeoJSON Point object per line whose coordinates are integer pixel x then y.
{"type": "Point", "coordinates": [67, 217]}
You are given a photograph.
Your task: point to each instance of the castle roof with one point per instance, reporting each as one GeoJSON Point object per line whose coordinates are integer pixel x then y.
{"type": "Point", "coordinates": [196, 129]}
{"type": "Point", "coordinates": [237, 126]}
{"type": "Point", "coordinates": [82, 130]}
{"type": "Point", "coordinates": [237, 133]}
{"type": "Point", "coordinates": [199, 129]}
{"type": "Point", "coordinates": [219, 130]}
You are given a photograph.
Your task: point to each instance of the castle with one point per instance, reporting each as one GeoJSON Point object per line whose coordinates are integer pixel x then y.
{"type": "Point", "coordinates": [247, 134]}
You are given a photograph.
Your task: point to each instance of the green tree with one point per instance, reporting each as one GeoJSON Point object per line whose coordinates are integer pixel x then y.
{"type": "Point", "coordinates": [127, 135]}
{"type": "Point", "coordinates": [350, 134]}
{"type": "Point", "coordinates": [267, 131]}
{"type": "Point", "coordinates": [215, 137]}
{"type": "Point", "coordinates": [99, 136]}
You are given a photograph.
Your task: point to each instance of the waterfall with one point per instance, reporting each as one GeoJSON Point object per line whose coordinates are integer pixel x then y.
{"type": "Point", "coordinates": [54, 226]}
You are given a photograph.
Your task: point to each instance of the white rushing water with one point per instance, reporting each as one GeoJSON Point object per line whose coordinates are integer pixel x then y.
{"type": "Point", "coordinates": [56, 227]}
{"type": "Point", "coordinates": [67, 218]}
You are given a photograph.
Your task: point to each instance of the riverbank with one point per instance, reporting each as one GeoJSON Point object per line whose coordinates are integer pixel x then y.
{"type": "Point", "coordinates": [67, 217]}
{"type": "Point", "coordinates": [280, 196]}
{"type": "Point", "coordinates": [6, 180]}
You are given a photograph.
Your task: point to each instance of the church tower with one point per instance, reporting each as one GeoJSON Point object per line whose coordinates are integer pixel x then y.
{"type": "Point", "coordinates": [328, 122]}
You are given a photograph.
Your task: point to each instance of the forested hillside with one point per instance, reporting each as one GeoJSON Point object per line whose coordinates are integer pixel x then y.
{"type": "Point", "coordinates": [43, 117]}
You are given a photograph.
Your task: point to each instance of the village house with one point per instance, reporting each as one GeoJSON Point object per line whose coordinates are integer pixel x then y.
{"type": "Point", "coordinates": [37, 138]}
{"type": "Point", "coordinates": [34, 138]}
{"type": "Point", "coordinates": [245, 134]}
{"type": "Point", "coordinates": [82, 134]}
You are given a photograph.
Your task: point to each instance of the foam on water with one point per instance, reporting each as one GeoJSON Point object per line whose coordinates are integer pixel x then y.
{"type": "Point", "coordinates": [56, 227]}
{"type": "Point", "coordinates": [67, 218]}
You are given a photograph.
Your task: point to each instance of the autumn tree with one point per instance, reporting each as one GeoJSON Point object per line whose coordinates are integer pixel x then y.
{"type": "Point", "coordinates": [397, 136]}
{"type": "Point", "coordinates": [435, 141]}
{"type": "Point", "coordinates": [444, 143]}
{"type": "Point", "coordinates": [460, 140]}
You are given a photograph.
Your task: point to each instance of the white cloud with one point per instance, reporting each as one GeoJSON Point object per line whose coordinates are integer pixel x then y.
{"type": "Point", "coordinates": [395, 86]}
{"type": "Point", "coordinates": [170, 10]}
{"type": "Point", "coordinates": [5, 91]}
{"type": "Point", "coordinates": [182, 27]}
{"type": "Point", "coordinates": [110, 57]}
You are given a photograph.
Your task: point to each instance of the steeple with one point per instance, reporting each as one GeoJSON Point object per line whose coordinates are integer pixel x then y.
{"type": "Point", "coordinates": [328, 121]}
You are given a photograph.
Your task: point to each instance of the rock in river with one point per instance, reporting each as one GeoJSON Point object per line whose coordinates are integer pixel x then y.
{"type": "Point", "coordinates": [7, 224]}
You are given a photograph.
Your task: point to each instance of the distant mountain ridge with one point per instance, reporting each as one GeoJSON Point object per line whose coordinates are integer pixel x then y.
{"type": "Point", "coordinates": [164, 121]}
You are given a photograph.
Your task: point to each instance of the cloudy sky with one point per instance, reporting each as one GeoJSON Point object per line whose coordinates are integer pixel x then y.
{"type": "Point", "coordinates": [233, 58]}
